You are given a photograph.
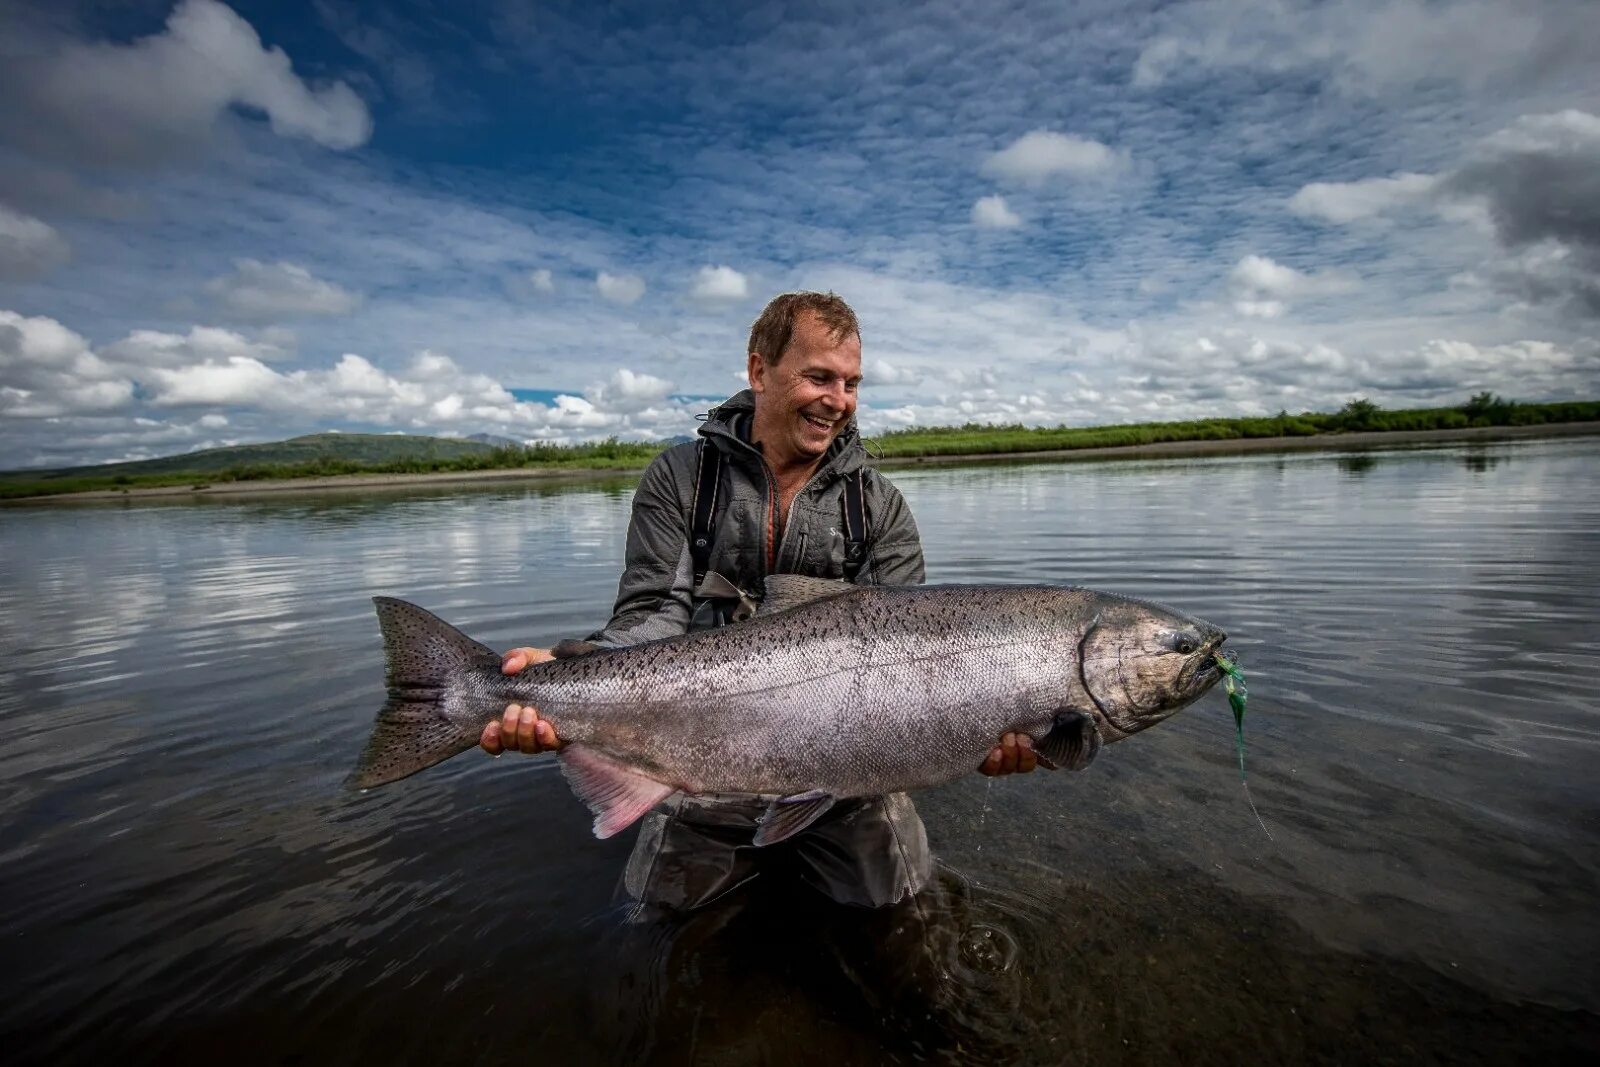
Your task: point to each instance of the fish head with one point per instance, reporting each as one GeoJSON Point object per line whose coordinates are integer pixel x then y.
{"type": "Point", "coordinates": [1142, 662]}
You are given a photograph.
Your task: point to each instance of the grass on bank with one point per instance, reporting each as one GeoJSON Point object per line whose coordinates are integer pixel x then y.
{"type": "Point", "coordinates": [1485, 409]}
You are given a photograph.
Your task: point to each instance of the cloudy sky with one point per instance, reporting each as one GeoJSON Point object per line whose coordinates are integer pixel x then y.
{"type": "Point", "coordinates": [556, 221]}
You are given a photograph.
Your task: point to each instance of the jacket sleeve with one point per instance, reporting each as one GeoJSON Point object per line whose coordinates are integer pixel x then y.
{"type": "Point", "coordinates": [896, 547]}
{"type": "Point", "coordinates": [653, 597]}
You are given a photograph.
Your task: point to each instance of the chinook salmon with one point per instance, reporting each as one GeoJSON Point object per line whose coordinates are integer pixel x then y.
{"type": "Point", "coordinates": [831, 691]}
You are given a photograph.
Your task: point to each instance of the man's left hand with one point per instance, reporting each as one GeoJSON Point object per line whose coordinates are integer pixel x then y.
{"type": "Point", "coordinates": [1013, 755]}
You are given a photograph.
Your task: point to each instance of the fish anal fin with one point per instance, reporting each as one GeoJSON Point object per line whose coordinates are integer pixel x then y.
{"type": "Point", "coordinates": [1072, 743]}
{"type": "Point", "coordinates": [616, 793]}
{"type": "Point", "coordinates": [787, 816]}
{"type": "Point", "coordinates": [785, 591]}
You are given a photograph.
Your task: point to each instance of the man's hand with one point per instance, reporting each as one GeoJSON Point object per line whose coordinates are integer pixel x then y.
{"type": "Point", "coordinates": [520, 729]}
{"type": "Point", "coordinates": [1013, 755]}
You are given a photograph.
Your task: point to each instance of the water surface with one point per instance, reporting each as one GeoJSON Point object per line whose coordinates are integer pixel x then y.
{"type": "Point", "coordinates": [184, 685]}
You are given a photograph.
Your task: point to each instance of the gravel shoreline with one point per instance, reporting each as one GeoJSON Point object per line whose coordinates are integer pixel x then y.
{"type": "Point", "coordinates": [1235, 446]}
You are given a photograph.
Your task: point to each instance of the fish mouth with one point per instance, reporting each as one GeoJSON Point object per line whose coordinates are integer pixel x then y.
{"type": "Point", "coordinates": [1205, 672]}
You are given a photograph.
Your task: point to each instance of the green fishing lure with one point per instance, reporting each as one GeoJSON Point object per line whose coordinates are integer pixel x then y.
{"type": "Point", "coordinates": [1233, 683]}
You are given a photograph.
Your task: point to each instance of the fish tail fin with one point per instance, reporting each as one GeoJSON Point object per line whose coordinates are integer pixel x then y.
{"type": "Point", "coordinates": [421, 724]}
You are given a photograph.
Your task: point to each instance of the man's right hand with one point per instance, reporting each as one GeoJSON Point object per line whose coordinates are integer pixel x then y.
{"type": "Point", "coordinates": [520, 729]}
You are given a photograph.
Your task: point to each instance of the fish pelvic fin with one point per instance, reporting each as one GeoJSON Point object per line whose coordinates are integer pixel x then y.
{"type": "Point", "coordinates": [618, 794]}
{"type": "Point", "coordinates": [1072, 743]}
{"type": "Point", "coordinates": [424, 656]}
{"type": "Point", "coordinates": [787, 816]}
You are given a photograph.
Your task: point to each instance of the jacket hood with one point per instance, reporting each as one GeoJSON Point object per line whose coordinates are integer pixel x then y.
{"type": "Point", "coordinates": [728, 425]}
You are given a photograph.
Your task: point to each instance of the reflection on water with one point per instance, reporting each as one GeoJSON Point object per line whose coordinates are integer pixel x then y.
{"type": "Point", "coordinates": [184, 686]}
{"type": "Point", "coordinates": [1357, 463]}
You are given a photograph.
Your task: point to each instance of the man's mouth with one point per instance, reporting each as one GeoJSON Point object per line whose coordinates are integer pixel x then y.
{"type": "Point", "coordinates": [819, 422]}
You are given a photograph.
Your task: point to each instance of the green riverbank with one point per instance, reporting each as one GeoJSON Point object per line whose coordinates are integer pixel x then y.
{"type": "Point", "coordinates": [1358, 425]}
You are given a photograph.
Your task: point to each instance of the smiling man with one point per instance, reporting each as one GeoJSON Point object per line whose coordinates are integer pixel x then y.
{"type": "Point", "coordinates": [776, 484]}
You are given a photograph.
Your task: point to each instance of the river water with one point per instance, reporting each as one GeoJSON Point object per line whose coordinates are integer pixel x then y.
{"type": "Point", "coordinates": [184, 685]}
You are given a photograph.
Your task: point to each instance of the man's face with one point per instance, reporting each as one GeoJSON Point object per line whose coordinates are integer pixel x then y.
{"type": "Point", "coordinates": [808, 396]}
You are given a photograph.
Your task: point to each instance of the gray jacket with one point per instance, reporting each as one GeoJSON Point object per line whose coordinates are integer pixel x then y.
{"type": "Point", "coordinates": [656, 596]}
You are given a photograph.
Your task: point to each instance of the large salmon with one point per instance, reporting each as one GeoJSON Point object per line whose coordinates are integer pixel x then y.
{"type": "Point", "coordinates": [830, 691]}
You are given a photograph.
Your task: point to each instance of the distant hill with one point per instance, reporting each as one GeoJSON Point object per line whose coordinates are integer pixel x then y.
{"type": "Point", "coordinates": [493, 440]}
{"type": "Point", "coordinates": [350, 447]}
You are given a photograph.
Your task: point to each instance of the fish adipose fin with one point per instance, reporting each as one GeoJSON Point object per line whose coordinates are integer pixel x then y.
{"type": "Point", "coordinates": [785, 591]}
{"type": "Point", "coordinates": [423, 656]}
{"type": "Point", "coordinates": [618, 795]}
{"type": "Point", "coordinates": [787, 816]}
{"type": "Point", "coordinates": [1071, 743]}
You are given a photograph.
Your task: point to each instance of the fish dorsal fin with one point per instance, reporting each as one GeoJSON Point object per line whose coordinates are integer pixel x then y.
{"type": "Point", "coordinates": [618, 795]}
{"type": "Point", "coordinates": [785, 591]}
{"type": "Point", "coordinates": [1071, 743]}
{"type": "Point", "coordinates": [787, 816]}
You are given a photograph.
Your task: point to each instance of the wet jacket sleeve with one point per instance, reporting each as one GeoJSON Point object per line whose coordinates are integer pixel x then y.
{"type": "Point", "coordinates": [896, 547]}
{"type": "Point", "coordinates": [653, 597]}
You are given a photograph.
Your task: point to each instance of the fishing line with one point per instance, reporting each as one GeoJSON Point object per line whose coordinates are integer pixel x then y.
{"type": "Point", "coordinates": [983, 816]}
{"type": "Point", "coordinates": [1238, 693]}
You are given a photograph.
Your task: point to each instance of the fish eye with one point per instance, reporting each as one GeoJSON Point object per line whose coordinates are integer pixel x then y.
{"type": "Point", "coordinates": [1185, 644]}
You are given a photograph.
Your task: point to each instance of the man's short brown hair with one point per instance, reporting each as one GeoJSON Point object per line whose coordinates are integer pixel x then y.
{"type": "Point", "coordinates": [774, 330]}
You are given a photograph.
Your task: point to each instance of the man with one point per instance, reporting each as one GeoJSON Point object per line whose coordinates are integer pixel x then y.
{"type": "Point", "coordinates": [776, 485]}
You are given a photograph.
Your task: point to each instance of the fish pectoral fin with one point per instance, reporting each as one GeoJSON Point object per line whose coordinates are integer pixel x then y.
{"type": "Point", "coordinates": [1073, 741]}
{"type": "Point", "coordinates": [572, 648]}
{"type": "Point", "coordinates": [785, 591]}
{"type": "Point", "coordinates": [787, 816]}
{"type": "Point", "coordinates": [616, 793]}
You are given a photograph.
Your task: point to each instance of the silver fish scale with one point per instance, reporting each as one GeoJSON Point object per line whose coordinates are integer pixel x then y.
{"type": "Point", "coordinates": [879, 690]}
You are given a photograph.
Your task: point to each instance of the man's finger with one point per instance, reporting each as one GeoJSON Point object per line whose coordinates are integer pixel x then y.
{"type": "Point", "coordinates": [490, 741]}
{"type": "Point", "coordinates": [520, 659]}
{"type": "Point", "coordinates": [527, 736]}
{"type": "Point", "coordinates": [546, 735]}
{"type": "Point", "coordinates": [991, 762]}
{"type": "Point", "coordinates": [1027, 759]}
{"type": "Point", "coordinates": [1008, 745]}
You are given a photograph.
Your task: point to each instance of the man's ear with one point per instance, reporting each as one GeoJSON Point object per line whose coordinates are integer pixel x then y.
{"type": "Point", "coordinates": [757, 372]}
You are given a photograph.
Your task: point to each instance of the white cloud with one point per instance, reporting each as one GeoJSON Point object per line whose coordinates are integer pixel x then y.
{"type": "Point", "coordinates": [1036, 157]}
{"type": "Point", "coordinates": [542, 281]}
{"type": "Point", "coordinates": [148, 349]}
{"type": "Point", "coordinates": [29, 248]}
{"type": "Point", "coordinates": [1343, 202]}
{"type": "Point", "coordinates": [213, 421]}
{"type": "Point", "coordinates": [626, 391]}
{"type": "Point", "coordinates": [47, 371]}
{"type": "Point", "coordinates": [991, 212]}
{"type": "Point", "coordinates": [1371, 47]}
{"type": "Point", "coordinates": [620, 288]}
{"type": "Point", "coordinates": [719, 284]}
{"type": "Point", "coordinates": [238, 380]}
{"type": "Point", "coordinates": [161, 96]}
{"type": "Point", "coordinates": [264, 292]}
{"type": "Point", "coordinates": [1263, 287]}
{"type": "Point", "coordinates": [885, 373]}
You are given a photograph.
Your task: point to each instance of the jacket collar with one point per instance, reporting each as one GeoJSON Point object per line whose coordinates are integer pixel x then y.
{"type": "Point", "coordinates": [728, 425]}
